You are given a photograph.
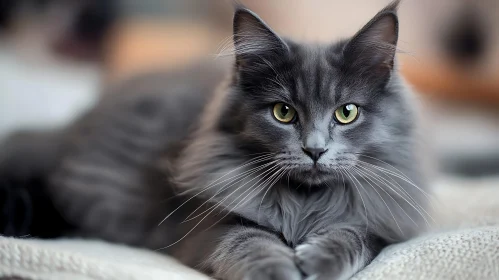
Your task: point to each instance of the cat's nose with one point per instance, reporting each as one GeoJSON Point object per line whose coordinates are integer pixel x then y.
{"type": "Point", "coordinates": [314, 153]}
{"type": "Point", "coordinates": [314, 144]}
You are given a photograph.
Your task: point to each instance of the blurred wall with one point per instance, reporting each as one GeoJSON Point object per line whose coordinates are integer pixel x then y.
{"type": "Point", "coordinates": [422, 22]}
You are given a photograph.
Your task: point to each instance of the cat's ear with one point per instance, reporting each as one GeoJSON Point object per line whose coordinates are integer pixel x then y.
{"type": "Point", "coordinates": [373, 48]}
{"type": "Point", "coordinates": [253, 38]}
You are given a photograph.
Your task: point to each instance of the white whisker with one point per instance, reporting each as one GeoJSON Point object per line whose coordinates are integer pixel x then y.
{"type": "Point", "coordinates": [243, 199]}
{"type": "Point", "coordinates": [252, 161]}
{"type": "Point", "coordinates": [389, 185]}
{"type": "Point", "coordinates": [391, 213]}
{"type": "Point", "coordinates": [227, 186]}
{"type": "Point", "coordinates": [361, 198]}
{"type": "Point", "coordinates": [189, 218]}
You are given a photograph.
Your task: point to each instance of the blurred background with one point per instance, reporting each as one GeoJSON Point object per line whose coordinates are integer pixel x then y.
{"type": "Point", "coordinates": [57, 56]}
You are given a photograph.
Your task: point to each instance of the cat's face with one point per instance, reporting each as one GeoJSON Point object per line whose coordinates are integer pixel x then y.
{"type": "Point", "coordinates": [316, 109]}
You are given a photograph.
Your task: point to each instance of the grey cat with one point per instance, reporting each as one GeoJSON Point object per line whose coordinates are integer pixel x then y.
{"type": "Point", "coordinates": [303, 164]}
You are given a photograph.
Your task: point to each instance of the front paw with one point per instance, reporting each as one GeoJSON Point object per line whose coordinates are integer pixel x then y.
{"type": "Point", "coordinates": [318, 264]}
{"type": "Point", "coordinates": [268, 270]}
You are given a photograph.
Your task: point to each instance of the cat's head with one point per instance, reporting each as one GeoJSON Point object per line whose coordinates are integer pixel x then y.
{"type": "Point", "coordinates": [316, 109]}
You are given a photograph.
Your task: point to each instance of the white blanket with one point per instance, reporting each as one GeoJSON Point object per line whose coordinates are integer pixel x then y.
{"type": "Point", "coordinates": [464, 246]}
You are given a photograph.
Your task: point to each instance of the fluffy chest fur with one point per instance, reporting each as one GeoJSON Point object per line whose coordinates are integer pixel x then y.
{"type": "Point", "coordinates": [296, 215]}
{"type": "Point", "coordinates": [270, 200]}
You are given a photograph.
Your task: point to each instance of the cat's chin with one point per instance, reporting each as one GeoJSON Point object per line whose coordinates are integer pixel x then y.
{"type": "Point", "coordinates": [316, 175]}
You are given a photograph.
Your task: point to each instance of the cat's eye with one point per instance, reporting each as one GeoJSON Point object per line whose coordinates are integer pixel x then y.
{"type": "Point", "coordinates": [284, 113]}
{"type": "Point", "coordinates": [347, 113]}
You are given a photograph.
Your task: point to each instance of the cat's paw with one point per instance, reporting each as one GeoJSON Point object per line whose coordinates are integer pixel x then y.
{"type": "Point", "coordinates": [319, 264]}
{"type": "Point", "coordinates": [268, 270]}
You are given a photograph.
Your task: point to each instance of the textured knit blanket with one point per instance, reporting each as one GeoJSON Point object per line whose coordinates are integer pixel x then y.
{"type": "Point", "coordinates": [464, 245]}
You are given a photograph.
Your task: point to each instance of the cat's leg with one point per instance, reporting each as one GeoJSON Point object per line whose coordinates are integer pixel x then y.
{"type": "Point", "coordinates": [248, 253]}
{"type": "Point", "coordinates": [337, 253]}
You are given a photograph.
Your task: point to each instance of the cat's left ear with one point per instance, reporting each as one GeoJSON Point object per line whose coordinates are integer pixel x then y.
{"type": "Point", "coordinates": [254, 39]}
{"type": "Point", "coordinates": [373, 48]}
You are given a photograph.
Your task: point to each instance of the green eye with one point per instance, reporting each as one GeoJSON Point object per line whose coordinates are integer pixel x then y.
{"type": "Point", "coordinates": [284, 113]}
{"type": "Point", "coordinates": [347, 113]}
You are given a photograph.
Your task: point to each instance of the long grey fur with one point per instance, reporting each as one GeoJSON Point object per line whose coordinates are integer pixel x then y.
{"type": "Point", "coordinates": [242, 199]}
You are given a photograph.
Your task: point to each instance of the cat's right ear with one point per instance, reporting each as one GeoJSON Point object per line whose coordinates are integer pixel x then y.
{"type": "Point", "coordinates": [253, 39]}
{"type": "Point", "coordinates": [372, 50]}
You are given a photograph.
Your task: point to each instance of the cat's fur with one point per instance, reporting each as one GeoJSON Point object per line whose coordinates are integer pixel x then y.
{"type": "Point", "coordinates": [261, 208]}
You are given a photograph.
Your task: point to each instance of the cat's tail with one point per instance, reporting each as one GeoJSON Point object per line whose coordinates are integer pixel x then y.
{"type": "Point", "coordinates": [26, 160]}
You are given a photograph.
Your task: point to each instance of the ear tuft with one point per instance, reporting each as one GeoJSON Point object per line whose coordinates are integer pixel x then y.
{"type": "Point", "coordinates": [374, 46]}
{"type": "Point", "coordinates": [253, 37]}
{"type": "Point", "coordinates": [392, 7]}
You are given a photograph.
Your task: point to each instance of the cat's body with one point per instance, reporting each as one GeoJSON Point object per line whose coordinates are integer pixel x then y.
{"type": "Point", "coordinates": [106, 170]}
{"type": "Point", "coordinates": [307, 196]}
